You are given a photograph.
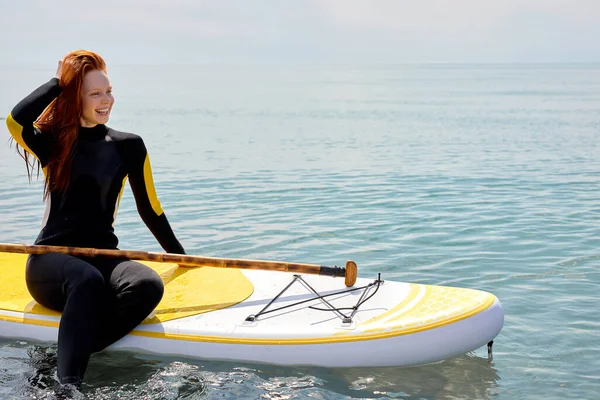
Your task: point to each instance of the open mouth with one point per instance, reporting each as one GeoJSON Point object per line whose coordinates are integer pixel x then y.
{"type": "Point", "coordinates": [103, 111]}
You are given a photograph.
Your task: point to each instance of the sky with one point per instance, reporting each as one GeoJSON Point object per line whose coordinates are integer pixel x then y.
{"type": "Point", "coordinates": [134, 32]}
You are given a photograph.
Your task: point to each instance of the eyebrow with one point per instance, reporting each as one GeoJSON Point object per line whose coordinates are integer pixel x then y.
{"type": "Point", "coordinates": [94, 89]}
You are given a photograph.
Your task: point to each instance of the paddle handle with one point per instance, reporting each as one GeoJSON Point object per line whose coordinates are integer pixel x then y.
{"type": "Point", "coordinates": [349, 272]}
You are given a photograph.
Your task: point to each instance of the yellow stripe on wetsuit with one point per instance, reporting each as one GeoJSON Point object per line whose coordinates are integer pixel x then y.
{"type": "Point", "coordinates": [16, 130]}
{"type": "Point", "coordinates": [150, 189]}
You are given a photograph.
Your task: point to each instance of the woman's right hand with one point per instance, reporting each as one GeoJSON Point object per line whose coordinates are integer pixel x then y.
{"type": "Point", "coordinates": [59, 69]}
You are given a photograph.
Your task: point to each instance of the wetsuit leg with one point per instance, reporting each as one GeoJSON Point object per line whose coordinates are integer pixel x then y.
{"type": "Point", "coordinates": [134, 291]}
{"type": "Point", "coordinates": [75, 287]}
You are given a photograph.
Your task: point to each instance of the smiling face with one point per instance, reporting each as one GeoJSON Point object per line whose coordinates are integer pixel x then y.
{"type": "Point", "coordinates": [97, 99]}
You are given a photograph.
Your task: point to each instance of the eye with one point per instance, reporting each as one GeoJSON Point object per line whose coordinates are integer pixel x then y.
{"type": "Point", "coordinates": [95, 93]}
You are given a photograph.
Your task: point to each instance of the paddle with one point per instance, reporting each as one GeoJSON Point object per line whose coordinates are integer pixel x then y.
{"type": "Point", "coordinates": [349, 272]}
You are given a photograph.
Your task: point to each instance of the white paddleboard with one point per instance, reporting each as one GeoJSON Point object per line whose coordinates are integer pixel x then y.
{"type": "Point", "coordinates": [247, 316]}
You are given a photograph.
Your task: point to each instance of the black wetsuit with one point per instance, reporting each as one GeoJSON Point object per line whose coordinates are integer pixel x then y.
{"type": "Point", "coordinates": [101, 299]}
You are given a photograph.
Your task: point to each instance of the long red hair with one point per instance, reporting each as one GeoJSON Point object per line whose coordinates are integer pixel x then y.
{"type": "Point", "coordinates": [60, 119]}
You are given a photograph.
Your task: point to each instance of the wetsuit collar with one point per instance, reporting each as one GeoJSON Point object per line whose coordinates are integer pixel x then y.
{"type": "Point", "coordinates": [96, 133]}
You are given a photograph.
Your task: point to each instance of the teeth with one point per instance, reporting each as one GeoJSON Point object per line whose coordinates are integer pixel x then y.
{"type": "Point", "coordinates": [102, 111]}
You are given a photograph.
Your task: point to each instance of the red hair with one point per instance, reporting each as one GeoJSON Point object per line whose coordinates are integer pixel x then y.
{"type": "Point", "coordinates": [60, 119]}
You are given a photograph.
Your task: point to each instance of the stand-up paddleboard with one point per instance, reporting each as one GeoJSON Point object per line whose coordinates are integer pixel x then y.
{"type": "Point", "coordinates": [273, 317]}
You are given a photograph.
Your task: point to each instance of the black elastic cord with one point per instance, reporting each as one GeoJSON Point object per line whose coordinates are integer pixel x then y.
{"type": "Point", "coordinates": [331, 307]}
{"type": "Point", "coordinates": [318, 296]}
{"type": "Point", "coordinates": [359, 303]}
{"type": "Point", "coordinates": [253, 317]}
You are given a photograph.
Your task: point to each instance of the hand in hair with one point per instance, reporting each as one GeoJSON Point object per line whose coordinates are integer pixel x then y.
{"type": "Point", "coordinates": [59, 69]}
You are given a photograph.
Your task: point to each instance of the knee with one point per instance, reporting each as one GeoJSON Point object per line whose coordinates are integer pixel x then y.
{"type": "Point", "coordinates": [88, 279]}
{"type": "Point", "coordinates": [151, 288]}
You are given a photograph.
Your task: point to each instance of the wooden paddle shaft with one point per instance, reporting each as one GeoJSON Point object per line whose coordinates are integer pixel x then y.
{"type": "Point", "coordinates": [349, 272]}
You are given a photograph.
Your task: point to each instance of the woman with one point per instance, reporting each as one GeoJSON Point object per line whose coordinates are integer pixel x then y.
{"type": "Point", "coordinates": [85, 164]}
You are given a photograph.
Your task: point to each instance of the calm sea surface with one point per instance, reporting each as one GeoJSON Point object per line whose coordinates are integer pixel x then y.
{"type": "Point", "coordinates": [483, 177]}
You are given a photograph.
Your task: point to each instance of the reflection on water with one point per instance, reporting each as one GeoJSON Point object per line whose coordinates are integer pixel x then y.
{"type": "Point", "coordinates": [123, 375]}
{"type": "Point", "coordinates": [468, 377]}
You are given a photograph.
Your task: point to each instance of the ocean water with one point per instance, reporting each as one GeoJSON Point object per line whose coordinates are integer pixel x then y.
{"type": "Point", "coordinates": [478, 176]}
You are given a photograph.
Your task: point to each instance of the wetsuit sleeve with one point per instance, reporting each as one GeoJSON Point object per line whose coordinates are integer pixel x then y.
{"type": "Point", "coordinates": [148, 205]}
{"type": "Point", "coordinates": [21, 120]}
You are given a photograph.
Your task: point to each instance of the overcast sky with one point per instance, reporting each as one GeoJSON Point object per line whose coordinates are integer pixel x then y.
{"type": "Point", "coordinates": [302, 31]}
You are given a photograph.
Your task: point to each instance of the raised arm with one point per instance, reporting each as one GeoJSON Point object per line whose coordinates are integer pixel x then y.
{"type": "Point", "coordinates": [21, 120]}
{"type": "Point", "coordinates": [148, 205]}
